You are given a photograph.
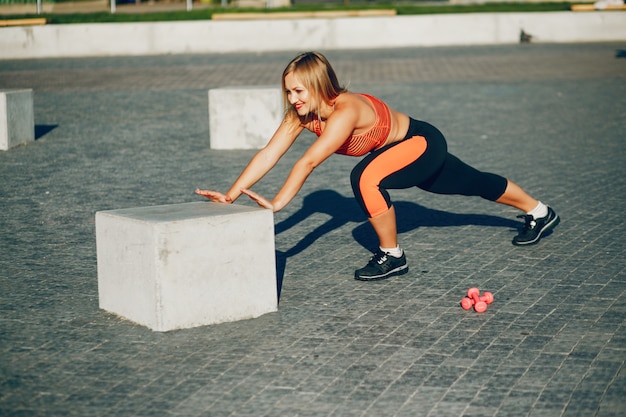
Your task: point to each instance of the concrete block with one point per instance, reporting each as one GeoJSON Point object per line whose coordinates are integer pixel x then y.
{"type": "Point", "coordinates": [186, 265]}
{"type": "Point", "coordinates": [17, 122]}
{"type": "Point", "coordinates": [244, 117]}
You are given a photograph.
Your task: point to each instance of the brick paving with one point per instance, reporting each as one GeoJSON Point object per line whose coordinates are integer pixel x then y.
{"type": "Point", "coordinates": [127, 132]}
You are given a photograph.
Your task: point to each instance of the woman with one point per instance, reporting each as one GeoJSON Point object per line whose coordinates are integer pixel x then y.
{"type": "Point", "coordinates": [401, 152]}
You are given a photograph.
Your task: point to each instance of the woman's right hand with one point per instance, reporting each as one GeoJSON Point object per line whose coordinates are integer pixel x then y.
{"type": "Point", "coordinates": [214, 196]}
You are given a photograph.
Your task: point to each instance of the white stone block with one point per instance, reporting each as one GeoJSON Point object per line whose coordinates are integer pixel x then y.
{"type": "Point", "coordinates": [244, 117]}
{"type": "Point", "coordinates": [17, 122]}
{"type": "Point", "coordinates": [186, 265]}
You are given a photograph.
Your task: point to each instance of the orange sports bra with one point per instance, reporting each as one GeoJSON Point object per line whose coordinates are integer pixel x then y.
{"type": "Point", "coordinates": [374, 138]}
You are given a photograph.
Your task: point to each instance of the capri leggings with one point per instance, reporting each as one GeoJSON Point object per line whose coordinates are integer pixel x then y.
{"type": "Point", "coordinates": [420, 160]}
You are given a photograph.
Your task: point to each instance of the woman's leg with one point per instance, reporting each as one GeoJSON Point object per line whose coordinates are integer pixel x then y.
{"type": "Point", "coordinates": [400, 165]}
{"type": "Point", "coordinates": [385, 227]}
{"type": "Point", "coordinates": [539, 220]}
{"type": "Point", "coordinates": [456, 177]}
{"type": "Point", "coordinates": [384, 264]}
{"type": "Point", "coordinates": [515, 196]}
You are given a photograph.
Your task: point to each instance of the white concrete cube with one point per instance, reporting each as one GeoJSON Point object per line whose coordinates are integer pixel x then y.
{"type": "Point", "coordinates": [186, 265]}
{"type": "Point", "coordinates": [17, 121]}
{"type": "Point", "coordinates": [244, 117]}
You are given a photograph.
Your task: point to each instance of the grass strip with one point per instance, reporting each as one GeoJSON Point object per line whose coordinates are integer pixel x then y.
{"type": "Point", "coordinates": [206, 14]}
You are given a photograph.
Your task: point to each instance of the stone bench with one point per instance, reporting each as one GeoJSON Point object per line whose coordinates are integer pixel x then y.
{"type": "Point", "coordinates": [186, 265]}
{"type": "Point", "coordinates": [244, 117]}
{"type": "Point", "coordinates": [17, 122]}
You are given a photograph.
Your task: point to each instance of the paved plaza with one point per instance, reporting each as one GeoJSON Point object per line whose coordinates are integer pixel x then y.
{"type": "Point", "coordinates": [119, 132]}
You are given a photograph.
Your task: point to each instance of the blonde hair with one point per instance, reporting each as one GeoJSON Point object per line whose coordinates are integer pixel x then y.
{"type": "Point", "coordinates": [317, 76]}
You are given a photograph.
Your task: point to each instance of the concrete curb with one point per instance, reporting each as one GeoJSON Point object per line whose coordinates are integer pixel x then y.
{"type": "Point", "coordinates": [109, 39]}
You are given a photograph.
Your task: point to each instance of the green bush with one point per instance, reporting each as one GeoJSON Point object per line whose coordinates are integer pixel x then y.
{"type": "Point", "coordinates": [403, 8]}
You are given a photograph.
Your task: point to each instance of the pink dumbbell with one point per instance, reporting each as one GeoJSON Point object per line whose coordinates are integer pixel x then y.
{"type": "Point", "coordinates": [475, 299]}
{"type": "Point", "coordinates": [487, 297]}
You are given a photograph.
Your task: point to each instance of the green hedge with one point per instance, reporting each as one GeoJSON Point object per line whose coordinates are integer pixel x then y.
{"type": "Point", "coordinates": [206, 13]}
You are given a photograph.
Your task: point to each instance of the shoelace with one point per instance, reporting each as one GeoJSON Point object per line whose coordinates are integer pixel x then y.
{"type": "Point", "coordinates": [530, 221]}
{"type": "Point", "coordinates": [379, 258]}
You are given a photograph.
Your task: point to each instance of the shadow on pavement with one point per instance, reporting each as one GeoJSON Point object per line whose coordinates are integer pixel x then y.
{"type": "Point", "coordinates": [42, 130]}
{"type": "Point", "coordinates": [343, 210]}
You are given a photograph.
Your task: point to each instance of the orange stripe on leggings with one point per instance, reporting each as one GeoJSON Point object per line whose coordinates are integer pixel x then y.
{"type": "Point", "coordinates": [385, 164]}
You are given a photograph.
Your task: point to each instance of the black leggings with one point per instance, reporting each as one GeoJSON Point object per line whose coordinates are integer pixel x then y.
{"type": "Point", "coordinates": [421, 160]}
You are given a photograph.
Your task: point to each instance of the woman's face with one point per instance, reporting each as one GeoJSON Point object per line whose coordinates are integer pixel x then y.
{"type": "Point", "coordinates": [298, 95]}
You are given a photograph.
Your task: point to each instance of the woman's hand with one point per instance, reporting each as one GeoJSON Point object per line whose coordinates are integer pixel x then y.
{"type": "Point", "coordinates": [214, 196]}
{"type": "Point", "coordinates": [261, 201]}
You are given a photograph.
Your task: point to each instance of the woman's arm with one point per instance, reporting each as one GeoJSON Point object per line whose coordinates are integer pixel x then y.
{"type": "Point", "coordinates": [261, 163]}
{"type": "Point", "coordinates": [339, 126]}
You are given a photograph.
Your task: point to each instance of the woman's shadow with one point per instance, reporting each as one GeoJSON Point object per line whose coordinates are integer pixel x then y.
{"type": "Point", "coordinates": [343, 210]}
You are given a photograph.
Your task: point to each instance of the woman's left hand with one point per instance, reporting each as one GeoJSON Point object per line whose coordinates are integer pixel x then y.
{"type": "Point", "coordinates": [261, 201]}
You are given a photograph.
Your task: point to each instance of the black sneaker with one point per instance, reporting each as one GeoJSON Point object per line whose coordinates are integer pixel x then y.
{"type": "Point", "coordinates": [382, 266]}
{"type": "Point", "coordinates": [534, 229]}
